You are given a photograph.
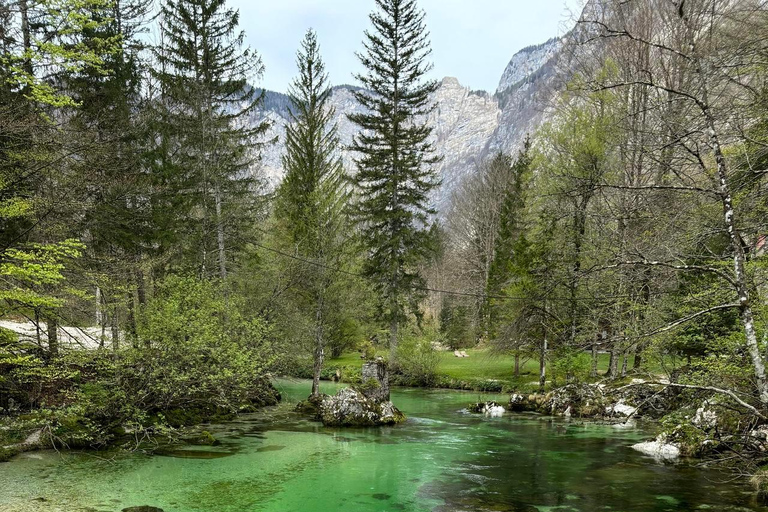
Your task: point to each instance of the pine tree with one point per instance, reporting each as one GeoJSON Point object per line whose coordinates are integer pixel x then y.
{"type": "Point", "coordinates": [207, 142]}
{"type": "Point", "coordinates": [311, 201]}
{"type": "Point", "coordinates": [396, 162]}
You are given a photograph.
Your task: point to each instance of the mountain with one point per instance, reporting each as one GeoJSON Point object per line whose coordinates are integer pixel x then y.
{"type": "Point", "coordinates": [469, 125]}
{"type": "Point", "coordinates": [526, 91]}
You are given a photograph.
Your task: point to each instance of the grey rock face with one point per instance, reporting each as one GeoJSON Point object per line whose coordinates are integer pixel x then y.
{"type": "Point", "coordinates": [464, 120]}
{"type": "Point", "coordinates": [376, 380]}
{"type": "Point", "coordinates": [526, 62]}
{"type": "Point", "coordinates": [468, 125]}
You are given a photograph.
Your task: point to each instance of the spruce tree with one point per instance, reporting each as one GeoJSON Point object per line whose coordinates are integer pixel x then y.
{"type": "Point", "coordinates": [311, 201]}
{"type": "Point", "coordinates": [396, 160]}
{"type": "Point", "coordinates": [207, 140]}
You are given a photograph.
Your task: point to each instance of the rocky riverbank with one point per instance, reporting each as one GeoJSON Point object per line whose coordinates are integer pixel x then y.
{"type": "Point", "coordinates": [694, 421]}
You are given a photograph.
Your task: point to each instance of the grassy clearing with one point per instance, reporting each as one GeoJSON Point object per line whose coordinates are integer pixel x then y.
{"type": "Point", "coordinates": [482, 364]}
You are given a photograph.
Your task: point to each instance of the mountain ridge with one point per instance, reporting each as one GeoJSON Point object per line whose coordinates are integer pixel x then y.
{"type": "Point", "coordinates": [469, 125]}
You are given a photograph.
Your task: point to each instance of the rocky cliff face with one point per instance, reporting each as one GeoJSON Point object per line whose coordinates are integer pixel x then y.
{"type": "Point", "coordinates": [469, 125]}
{"type": "Point", "coordinates": [526, 92]}
{"type": "Point", "coordinates": [526, 62]}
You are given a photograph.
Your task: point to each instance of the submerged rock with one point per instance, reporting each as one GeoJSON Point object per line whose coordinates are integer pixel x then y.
{"type": "Point", "coordinates": [351, 408]}
{"type": "Point", "coordinates": [142, 508]}
{"type": "Point", "coordinates": [659, 449]}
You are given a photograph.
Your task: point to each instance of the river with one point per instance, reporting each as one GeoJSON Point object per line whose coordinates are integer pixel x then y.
{"type": "Point", "coordinates": [442, 459]}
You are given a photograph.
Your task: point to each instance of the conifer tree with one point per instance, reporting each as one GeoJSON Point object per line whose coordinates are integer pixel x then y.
{"type": "Point", "coordinates": [510, 228]}
{"type": "Point", "coordinates": [311, 201]}
{"type": "Point", "coordinates": [108, 124]}
{"type": "Point", "coordinates": [396, 161]}
{"type": "Point", "coordinates": [209, 145]}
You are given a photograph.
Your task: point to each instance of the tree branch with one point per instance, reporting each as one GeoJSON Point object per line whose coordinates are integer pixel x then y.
{"type": "Point", "coordinates": [671, 266]}
{"type": "Point", "coordinates": [727, 392]}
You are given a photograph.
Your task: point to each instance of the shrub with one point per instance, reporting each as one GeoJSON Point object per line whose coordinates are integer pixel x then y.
{"type": "Point", "coordinates": [416, 361]}
{"type": "Point", "coordinates": [570, 366]}
{"type": "Point", "coordinates": [368, 350]}
{"type": "Point", "coordinates": [199, 349]}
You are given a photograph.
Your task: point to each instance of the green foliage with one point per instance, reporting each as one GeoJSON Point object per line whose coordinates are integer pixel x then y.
{"type": "Point", "coordinates": [368, 350]}
{"type": "Point", "coordinates": [60, 44]}
{"type": "Point", "coordinates": [569, 365]}
{"type": "Point", "coordinates": [396, 164]}
{"type": "Point", "coordinates": [311, 211]}
{"type": "Point", "coordinates": [200, 348]}
{"type": "Point", "coordinates": [205, 145]}
{"type": "Point", "coordinates": [417, 361]}
{"type": "Point", "coordinates": [368, 386]}
{"type": "Point", "coordinates": [30, 274]}
{"type": "Point", "coordinates": [508, 252]}
{"type": "Point", "coordinates": [456, 326]}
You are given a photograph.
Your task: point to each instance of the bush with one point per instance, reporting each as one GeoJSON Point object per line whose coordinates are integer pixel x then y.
{"type": "Point", "coordinates": [570, 366]}
{"type": "Point", "coordinates": [416, 361]}
{"type": "Point", "coordinates": [368, 350]}
{"type": "Point", "coordinates": [199, 349]}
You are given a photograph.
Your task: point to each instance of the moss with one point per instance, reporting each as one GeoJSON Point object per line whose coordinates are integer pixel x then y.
{"type": "Point", "coordinates": [399, 417]}
{"type": "Point", "coordinates": [311, 406]}
{"type": "Point", "coordinates": [7, 452]}
{"type": "Point", "coordinates": [203, 438]}
{"type": "Point", "coordinates": [368, 387]}
{"type": "Point", "coordinates": [760, 482]}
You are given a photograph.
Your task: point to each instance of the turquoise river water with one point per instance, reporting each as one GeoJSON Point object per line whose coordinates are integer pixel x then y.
{"type": "Point", "coordinates": [442, 459]}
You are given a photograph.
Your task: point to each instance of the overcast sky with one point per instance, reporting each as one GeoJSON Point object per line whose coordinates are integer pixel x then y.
{"type": "Point", "coordinates": [472, 40]}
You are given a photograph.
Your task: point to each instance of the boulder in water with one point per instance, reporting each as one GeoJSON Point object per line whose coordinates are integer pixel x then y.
{"type": "Point", "coordinates": [351, 408]}
{"type": "Point", "coordinates": [659, 449]}
{"type": "Point", "coordinates": [492, 409]}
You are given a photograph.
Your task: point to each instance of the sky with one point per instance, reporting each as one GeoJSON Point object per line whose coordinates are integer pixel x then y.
{"type": "Point", "coordinates": [472, 40]}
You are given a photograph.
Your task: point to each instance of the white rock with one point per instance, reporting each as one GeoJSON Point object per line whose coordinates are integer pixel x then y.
{"type": "Point", "coordinates": [659, 450]}
{"type": "Point", "coordinates": [493, 410]}
{"type": "Point", "coordinates": [621, 409]}
{"type": "Point", "coordinates": [704, 418]}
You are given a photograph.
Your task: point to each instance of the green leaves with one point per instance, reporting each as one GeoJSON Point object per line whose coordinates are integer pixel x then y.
{"type": "Point", "coordinates": [58, 46]}
{"type": "Point", "coordinates": [201, 347]}
{"type": "Point", "coordinates": [26, 275]}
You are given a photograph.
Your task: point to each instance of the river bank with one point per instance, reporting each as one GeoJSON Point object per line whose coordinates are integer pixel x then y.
{"type": "Point", "coordinates": [276, 459]}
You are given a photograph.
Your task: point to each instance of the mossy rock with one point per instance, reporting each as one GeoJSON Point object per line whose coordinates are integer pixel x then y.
{"type": "Point", "coordinates": [311, 406]}
{"type": "Point", "coordinates": [8, 452]}
{"type": "Point", "coordinates": [350, 408]}
{"type": "Point", "coordinates": [203, 438]}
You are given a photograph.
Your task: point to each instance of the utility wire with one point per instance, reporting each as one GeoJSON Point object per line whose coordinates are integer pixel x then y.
{"type": "Point", "coordinates": [450, 292]}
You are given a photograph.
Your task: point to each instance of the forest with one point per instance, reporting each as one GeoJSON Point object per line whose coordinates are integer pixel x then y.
{"type": "Point", "coordinates": [617, 256]}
